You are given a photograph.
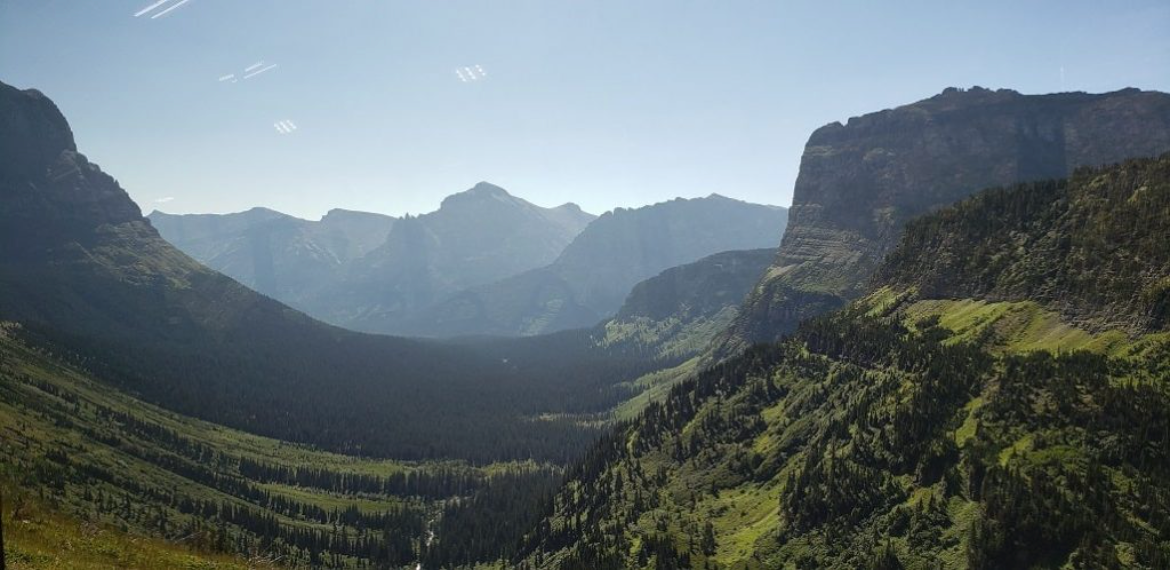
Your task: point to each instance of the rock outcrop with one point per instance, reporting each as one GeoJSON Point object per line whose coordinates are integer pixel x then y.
{"type": "Point", "coordinates": [861, 182]}
{"type": "Point", "coordinates": [52, 193]}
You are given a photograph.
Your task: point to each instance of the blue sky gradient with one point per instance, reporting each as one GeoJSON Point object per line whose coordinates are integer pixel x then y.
{"type": "Point", "coordinates": [603, 103]}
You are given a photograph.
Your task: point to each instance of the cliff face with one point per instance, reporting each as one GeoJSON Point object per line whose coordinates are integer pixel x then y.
{"type": "Point", "coordinates": [49, 192]}
{"type": "Point", "coordinates": [861, 182]}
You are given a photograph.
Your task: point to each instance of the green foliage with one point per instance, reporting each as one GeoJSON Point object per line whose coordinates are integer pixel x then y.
{"type": "Point", "coordinates": [910, 432]}
{"type": "Point", "coordinates": [39, 537]}
{"type": "Point", "coordinates": [1092, 248]}
{"type": "Point", "coordinates": [95, 457]}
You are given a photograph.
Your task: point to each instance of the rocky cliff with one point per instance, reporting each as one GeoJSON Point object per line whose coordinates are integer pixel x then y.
{"type": "Point", "coordinates": [51, 192]}
{"type": "Point", "coordinates": [859, 183]}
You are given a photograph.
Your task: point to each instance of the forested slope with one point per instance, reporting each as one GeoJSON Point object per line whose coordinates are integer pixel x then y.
{"type": "Point", "coordinates": [1094, 248]}
{"type": "Point", "coordinates": [75, 453]}
{"type": "Point", "coordinates": [920, 427]}
{"type": "Point", "coordinates": [84, 272]}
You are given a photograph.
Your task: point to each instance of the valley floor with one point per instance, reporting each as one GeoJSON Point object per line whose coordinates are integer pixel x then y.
{"type": "Point", "coordinates": [96, 478]}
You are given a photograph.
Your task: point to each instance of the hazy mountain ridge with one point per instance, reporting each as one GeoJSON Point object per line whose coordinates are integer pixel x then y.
{"type": "Point", "coordinates": [85, 272]}
{"type": "Point", "coordinates": [592, 277]}
{"type": "Point", "coordinates": [860, 182]}
{"type": "Point", "coordinates": [368, 271]}
{"type": "Point", "coordinates": [919, 427]}
{"type": "Point", "coordinates": [475, 237]}
{"type": "Point", "coordinates": [286, 258]}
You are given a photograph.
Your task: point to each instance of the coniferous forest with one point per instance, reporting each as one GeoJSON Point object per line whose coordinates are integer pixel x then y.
{"type": "Point", "coordinates": [912, 430]}
{"type": "Point", "coordinates": [950, 349]}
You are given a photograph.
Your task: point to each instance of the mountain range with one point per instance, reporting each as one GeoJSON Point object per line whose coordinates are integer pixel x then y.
{"type": "Point", "coordinates": [85, 274]}
{"type": "Point", "coordinates": [589, 281]}
{"type": "Point", "coordinates": [485, 262]}
{"type": "Point", "coordinates": [966, 364]}
{"type": "Point", "coordinates": [368, 271]}
{"type": "Point", "coordinates": [286, 258]}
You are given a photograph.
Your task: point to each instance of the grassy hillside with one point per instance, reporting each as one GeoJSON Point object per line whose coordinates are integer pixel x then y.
{"type": "Point", "coordinates": [678, 312]}
{"type": "Point", "coordinates": [913, 429]}
{"type": "Point", "coordinates": [38, 536]}
{"type": "Point", "coordinates": [93, 466]}
{"type": "Point", "coordinates": [870, 432]}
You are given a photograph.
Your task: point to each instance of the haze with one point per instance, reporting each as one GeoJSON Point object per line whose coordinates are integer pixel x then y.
{"type": "Point", "coordinates": [602, 103]}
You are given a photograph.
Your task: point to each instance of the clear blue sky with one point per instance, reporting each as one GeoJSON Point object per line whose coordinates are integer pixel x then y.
{"type": "Point", "coordinates": [604, 103]}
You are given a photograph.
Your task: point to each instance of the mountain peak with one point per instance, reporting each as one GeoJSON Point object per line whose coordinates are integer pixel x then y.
{"type": "Point", "coordinates": [478, 193]}
{"type": "Point", "coordinates": [341, 214]}
{"type": "Point", "coordinates": [48, 190]}
{"type": "Point", "coordinates": [33, 132]}
{"type": "Point", "coordinates": [717, 196]}
{"type": "Point", "coordinates": [487, 188]}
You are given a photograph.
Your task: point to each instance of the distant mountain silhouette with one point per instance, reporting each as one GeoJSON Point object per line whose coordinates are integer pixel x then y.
{"type": "Point", "coordinates": [369, 271]}
{"type": "Point", "coordinates": [593, 276]}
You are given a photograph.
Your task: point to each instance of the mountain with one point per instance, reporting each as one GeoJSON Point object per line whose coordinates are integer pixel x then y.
{"type": "Point", "coordinates": [286, 258]}
{"type": "Point", "coordinates": [368, 271]}
{"type": "Point", "coordinates": [859, 183]}
{"type": "Point", "coordinates": [679, 311]}
{"type": "Point", "coordinates": [592, 277]}
{"type": "Point", "coordinates": [673, 317]}
{"type": "Point", "coordinates": [998, 398]}
{"type": "Point", "coordinates": [86, 275]}
{"type": "Point", "coordinates": [475, 237]}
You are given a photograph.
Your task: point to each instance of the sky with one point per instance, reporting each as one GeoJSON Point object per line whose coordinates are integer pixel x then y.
{"type": "Point", "coordinates": [388, 106]}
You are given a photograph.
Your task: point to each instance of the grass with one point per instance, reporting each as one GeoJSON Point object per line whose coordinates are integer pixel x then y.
{"type": "Point", "coordinates": [109, 489]}
{"type": "Point", "coordinates": [654, 387]}
{"type": "Point", "coordinates": [1016, 327]}
{"type": "Point", "coordinates": [751, 514]}
{"type": "Point", "coordinates": [970, 424]}
{"type": "Point", "coordinates": [44, 538]}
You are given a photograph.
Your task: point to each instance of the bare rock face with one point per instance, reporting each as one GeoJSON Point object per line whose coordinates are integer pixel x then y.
{"type": "Point", "coordinates": [49, 191]}
{"type": "Point", "coordinates": [861, 182]}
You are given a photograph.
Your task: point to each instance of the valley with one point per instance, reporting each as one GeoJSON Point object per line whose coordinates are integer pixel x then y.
{"type": "Point", "coordinates": [114, 461]}
{"type": "Point", "coordinates": [952, 351]}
